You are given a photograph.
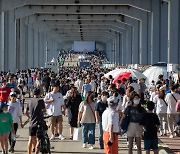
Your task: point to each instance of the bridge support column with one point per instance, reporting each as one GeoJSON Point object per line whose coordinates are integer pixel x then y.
{"type": "Point", "coordinates": [174, 31]}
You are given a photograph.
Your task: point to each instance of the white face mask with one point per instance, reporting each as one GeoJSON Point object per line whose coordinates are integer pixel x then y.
{"type": "Point", "coordinates": [5, 111]}
{"type": "Point", "coordinates": [104, 98]}
{"type": "Point", "coordinates": [136, 101]}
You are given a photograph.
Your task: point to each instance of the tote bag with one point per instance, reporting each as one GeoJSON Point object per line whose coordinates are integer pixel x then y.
{"type": "Point", "coordinates": [77, 135]}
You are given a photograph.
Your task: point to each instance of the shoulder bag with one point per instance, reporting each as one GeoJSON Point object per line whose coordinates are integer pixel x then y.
{"type": "Point", "coordinates": [126, 121]}
{"type": "Point", "coordinates": [92, 112]}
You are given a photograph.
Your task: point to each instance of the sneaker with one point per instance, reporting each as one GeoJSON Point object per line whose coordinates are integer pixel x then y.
{"type": "Point", "coordinates": [61, 137]}
{"type": "Point", "coordinates": [52, 137]}
{"type": "Point", "coordinates": [91, 147]}
{"type": "Point", "coordinates": [84, 145]}
{"type": "Point", "coordinates": [171, 136]}
{"type": "Point", "coordinates": [135, 146]}
{"type": "Point", "coordinates": [127, 144]}
{"type": "Point", "coordinates": [11, 150]}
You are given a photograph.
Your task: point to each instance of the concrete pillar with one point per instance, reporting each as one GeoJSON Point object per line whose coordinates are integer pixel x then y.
{"type": "Point", "coordinates": [42, 50]}
{"type": "Point", "coordinates": [135, 40]}
{"type": "Point", "coordinates": [164, 32]}
{"type": "Point", "coordinates": [129, 46]}
{"type": "Point", "coordinates": [11, 52]}
{"type": "Point", "coordinates": [174, 32]}
{"type": "Point", "coordinates": [2, 53]}
{"type": "Point", "coordinates": [36, 47]}
{"type": "Point", "coordinates": [156, 25]}
{"type": "Point", "coordinates": [114, 50]}
{"type": "Point", "coordinates": [30, 46]}
{"type": "Point", "coordinates": [124, 48]}
{"type": "Point", "coordinates": [121, 48]}
{"type": "Point", "coordinates": [150, 42]}
{"type": "Point", "coordinates": [4, 41]}
{"type": "Point", "coordinates": [144, 40]}
{"type": "Point", "coordinates": [117, 50]}
{"type": "Point", "coordinates": [17, 40]}
{"type": "Point", "coordinates": [22, 45]}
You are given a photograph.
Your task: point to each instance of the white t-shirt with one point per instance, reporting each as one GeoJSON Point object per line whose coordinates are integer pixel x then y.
{"type": "Point", "coordinates": [79, 84]}
{"type": "Point", "coordinates": [126, 101]}
{"type": "Point", "coordinates": [93, 86]}
{"type": "Point", "coordinates": [161, 106]}
{"type": "Point", "coordinates": [110, 117]}
{"type": "Point", "coordinates": [171, 102]}
{"type": "Point", "coordinates": [55, 106]}
{"type": "Point", "coordinates": [155, 99]}
{"type": "Point", "coordinates": [16, 111]}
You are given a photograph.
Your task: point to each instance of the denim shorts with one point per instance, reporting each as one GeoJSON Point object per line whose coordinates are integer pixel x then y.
{"type": "Point", "coordinates": [151, 144]}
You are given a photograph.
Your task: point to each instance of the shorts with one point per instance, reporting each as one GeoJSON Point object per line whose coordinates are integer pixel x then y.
{"type": "Point", "coordinates": [151, 144]}
{"type": "Point", "coordinates": [56, 119]}
{"type": "Point", "coordinates": [134, 130]}
{"type": "Point", "coordinates": [4, 134]}
{"type": "Point", "coordinates": [33, 131]}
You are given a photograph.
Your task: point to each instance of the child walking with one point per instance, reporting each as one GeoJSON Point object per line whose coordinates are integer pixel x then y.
{"type": "Point", "coordinates": [151, 124]}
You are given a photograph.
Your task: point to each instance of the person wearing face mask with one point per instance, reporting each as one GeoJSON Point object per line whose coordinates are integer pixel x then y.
{"type": "Point", "coordinates": [6, 125]}
{"type": "Point", "coordinates": [99, 109]}
{"type": "Point", "coordinates": [135, 112]}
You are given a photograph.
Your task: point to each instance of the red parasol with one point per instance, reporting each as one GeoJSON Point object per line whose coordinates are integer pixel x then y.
{"type": "Point", "coordinates": [122, 75]}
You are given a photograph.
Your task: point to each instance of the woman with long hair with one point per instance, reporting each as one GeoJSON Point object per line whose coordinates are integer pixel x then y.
{"type": "Point", "coordinates": [86, 117]}
{"type": "Point", "coordinates": [135, 112]}
{"type": "Point", "coordinates": [72, 104]}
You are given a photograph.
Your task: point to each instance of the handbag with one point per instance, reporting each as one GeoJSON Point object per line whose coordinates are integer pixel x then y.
{"type": "Point", "coordinates": [126, 121]}
{"type": "Point", "coordinates": [178, 120]}
{"type": "Point", "coordinates": [77, 134]}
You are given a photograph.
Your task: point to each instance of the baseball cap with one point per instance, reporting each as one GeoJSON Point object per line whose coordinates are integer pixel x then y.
{"type": "Point", "coordinates": [12, 93]}
{"type": "Point", "coordinates": [112, 101]}
{"type": "Point", "coordinates": [2, 105]}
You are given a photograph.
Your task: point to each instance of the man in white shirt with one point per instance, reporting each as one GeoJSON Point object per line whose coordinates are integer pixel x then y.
{"type": "Point", "coordinates": [15, 109]}
{"type": "Point", "coordinates": [79, 84]}
{"type": "Point", "coordinates": [110, 124]}
{"type": "Point", "coordinates": [55, 102]}
{"type": "Point", "coordinates": [172, 115]}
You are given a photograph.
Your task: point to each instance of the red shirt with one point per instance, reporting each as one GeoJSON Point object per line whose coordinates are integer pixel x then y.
{"type": "Point", "coordinates": [4, 93]}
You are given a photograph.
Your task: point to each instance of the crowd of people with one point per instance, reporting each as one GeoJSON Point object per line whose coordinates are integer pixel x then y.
{"type": "Point", "coordinates": [87, 98]}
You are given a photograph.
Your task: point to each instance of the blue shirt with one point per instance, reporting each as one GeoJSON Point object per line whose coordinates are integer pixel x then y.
{"type": "Point", "coordinates": [86, 89]}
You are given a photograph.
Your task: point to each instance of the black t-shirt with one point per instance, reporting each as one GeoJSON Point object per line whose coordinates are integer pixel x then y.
{"type": "Point", "coordinates": [135, 115]}
{"type": "Point", "coordinates": [150, 121]}
{"type": "Point", "coordinates": [46, 80]}
{"type": "Point", "coordinates": [35, 108]}
{"type": "Point", "coordinates": [101, 107]}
